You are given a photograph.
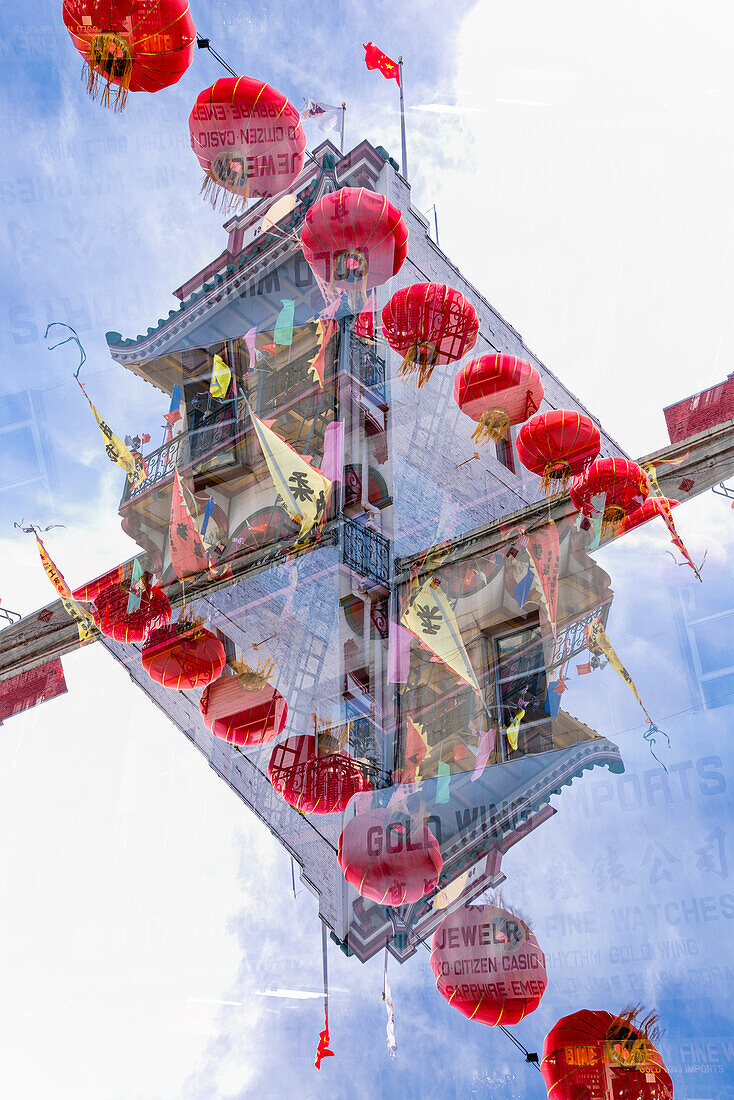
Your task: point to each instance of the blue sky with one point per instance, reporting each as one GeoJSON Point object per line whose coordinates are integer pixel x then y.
{"type": "Point", "coordinates": [580, 164]}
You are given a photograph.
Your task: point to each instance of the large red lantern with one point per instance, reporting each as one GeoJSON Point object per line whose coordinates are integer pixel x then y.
{"type": "Point", "coordinates": [557, 446]}
{"type": "Point", "coordinates": [488, 965]}
{"type": "Point", "coordinates": [354, 240]}
{"type": "Point", "coordinates": [183, 656]}
{"type": "Point", "coordinates": [121, 574]}
{"type": "Point", "coordinates": [389, 855]}
{"type": "Point", "coordinates": [248, 139]}
{"type": "Point", "coordinates": [314, 782]}
{"type": "Point", "coordinates": [653, 506]}
{"type": "Point", "coordinates": [623, 484]}
{"type": "Point", "coordinates": [592, 1054]}
{"type": "Point", "coordinates": [429, 324]}
{"type": "Point", "coordinates": [243, 710]}
{"type": "Point", "coordinates": [497, 391]}
{"type": "Point", "coordinates": [133, 45]}
{"type": "Point", "coordinates": [112, 618]}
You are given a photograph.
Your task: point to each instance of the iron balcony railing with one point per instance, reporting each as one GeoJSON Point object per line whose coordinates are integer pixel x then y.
{"type": "Point", "coordinates": [365, 551]}
{"type": "Point", "coordinates": [366, 366]}
{"type": "Point", "coordinates": [206, 436]}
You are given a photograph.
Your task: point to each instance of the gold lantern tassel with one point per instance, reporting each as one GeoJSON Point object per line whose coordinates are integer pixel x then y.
{"type": "Point", "coordinates": [630, 1036]}
{"type": "Point", "coordinates": [493, 425]}
{"type": "Point", "coordinates": [253, 679]}
{"type": "Point", "coordinates": [420, 360]}
{"type": "Point", "coordinates": [611, 525]}
{"type": "Point", "coordinates": [220, 197]}
{"type": "Point", "coordinates": [110, 61]}
{"type": "Point", "coordinates": [555, 480]}
{"type": "Point", "coordinates": [331, 739]}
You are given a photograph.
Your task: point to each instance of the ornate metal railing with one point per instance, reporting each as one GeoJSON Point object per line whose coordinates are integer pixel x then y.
{"type": "Point", "coordinates": [365, 743]}
{"type": "Point", "coordinates": [365, 551]}
{"type": "Point", "coordinates": [213, 432]}
{"type": "Point", "coordinates": [290, 381]}
{"type": "Point", "coordinates": [210, 434]}
{"type": "Point", "coordinates": [571, 637]}
{"type": "Point", "coordinates": [366, 365]}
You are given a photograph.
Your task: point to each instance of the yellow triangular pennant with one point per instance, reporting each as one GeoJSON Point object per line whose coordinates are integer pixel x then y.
{"type": "Point", "coordinates": [302, 488]}
{"type": "Point", "coordinates": [430, 617]}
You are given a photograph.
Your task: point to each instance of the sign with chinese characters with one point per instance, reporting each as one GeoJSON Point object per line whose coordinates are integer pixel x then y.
{"type": "Point", "coordinates": [30, 688]}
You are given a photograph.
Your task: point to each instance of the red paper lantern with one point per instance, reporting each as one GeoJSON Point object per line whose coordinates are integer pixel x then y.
{"type": "Point", "coordinates": [112, 619]}
{"type": "Point", "coordinates": [595, 1054]}
{"type": "Point", "coordinates": [183, 656]}
{"type": "Point", "coordinates": [488, 965]}
{"type": "Point", "coordinates": [243, 715]}
{"type": "Point", "coordinates": [389, 857]}
{"type": "Point", "coordinates": [248, 139]}
{"type": "Point", "coordinates": [653, 506]}
{"type": "Point", "coordinates": [313, 782]}
{"type": "Point", "coordinates": [354, 240]}
{"type": "Point", "coordinates": [89, 591]}
{"type": "Point", "coordinates": [135, 45]}
{"type": "Point", "coordinates": [624, 485]}
{"type": "Point", "coordinates": [497, 391]}
{"type": "Point", "coordinates": [429, 324]}
{"type": "Point", "coordinates": [557, 445]}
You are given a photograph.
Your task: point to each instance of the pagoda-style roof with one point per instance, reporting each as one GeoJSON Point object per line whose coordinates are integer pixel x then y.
{"type": "Point", "coordinates": [243, 270]}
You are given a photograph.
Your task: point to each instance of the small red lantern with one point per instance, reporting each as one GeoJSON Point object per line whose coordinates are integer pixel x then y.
{"type": "Point", "coordinates": [183, 656]}
{"type": "Point", "coordinates": [314, 782]}
{"type": "Point", "coordinates": [138, 45]}
{"type": "Point", "coordinates": [557, 445]}
{"type": "Point", "coordinates": [354, 240]}
{"type": "Point", "coordinates": [624, 485]}
{"type": "Point", "coordinates": [653, 506]}
{"type": "Point", "coordinates": [248, 139]}
{"type": "Point", "coordinates": [389, 856]}
{"type": "Point", "coordinates": [244, 710]}
{"type": "Point", "coordinates": [497, 391]}
{"type": "Point", "coordinates": [591, 1053]}
{"type": "Point", "coordinates": [111, 616]}
{"type": "Point", "coordinates": [429, 324]}
{"type": "Point", "coordinates": [488, 965]}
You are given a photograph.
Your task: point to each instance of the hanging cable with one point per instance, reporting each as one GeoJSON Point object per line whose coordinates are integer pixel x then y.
{"type": "Point", "coordinates": [205, 44]}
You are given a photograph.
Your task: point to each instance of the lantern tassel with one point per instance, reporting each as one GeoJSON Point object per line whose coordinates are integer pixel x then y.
{"type": "Point", "coordinates": [253, 679]}
{"type": "Point", "coordinates": [493, 425]}
{"type": "Point", "coordinates": [420, 361]}
{"type": "Point", "coordinates": [222, 199]}
{"type": "Point", "coordinates": [110, 61]}
{"type": "Point", "coordinates": [555, 480]}
{"type": "Point", "coordinates": [611, 525]}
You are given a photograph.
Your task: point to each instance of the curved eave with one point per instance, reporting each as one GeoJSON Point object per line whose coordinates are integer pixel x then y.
{"type": "Point", "coordinates": [178, 331]}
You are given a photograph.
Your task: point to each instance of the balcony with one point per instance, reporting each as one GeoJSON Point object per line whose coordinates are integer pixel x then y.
{"type": "Point", "coordinates": [206, 443]}
{"type": "Point", "coordinates": [365, 551]}
{"type": "Point", "coordinates": [366, 366]}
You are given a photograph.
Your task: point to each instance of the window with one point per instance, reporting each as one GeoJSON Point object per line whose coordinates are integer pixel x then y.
{"type": "Point", "coordinates": [521, 683]}
{"type": "Point", "coordinates": [710, 643]}
{"type": "Point", "coordinates": [506, 452]}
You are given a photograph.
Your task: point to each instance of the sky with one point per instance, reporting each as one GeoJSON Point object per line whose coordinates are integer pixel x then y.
{"type": "Point", "coordinates": [578, 159]}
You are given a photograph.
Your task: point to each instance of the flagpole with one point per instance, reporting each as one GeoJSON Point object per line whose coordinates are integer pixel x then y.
{"type": "Point", "coordinates": [402, 122]}
{"type": "Point", "coordinates": [344, 116]}
{"type": "Point", "coordinates": [326, 971]}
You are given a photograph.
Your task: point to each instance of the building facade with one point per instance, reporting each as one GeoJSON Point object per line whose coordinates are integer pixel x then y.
{"type": "Point", "coordinates": [409, 479]}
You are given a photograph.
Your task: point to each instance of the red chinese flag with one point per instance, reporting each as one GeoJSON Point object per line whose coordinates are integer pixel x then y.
{"type": "Point", "coordinates": [376, 59]}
